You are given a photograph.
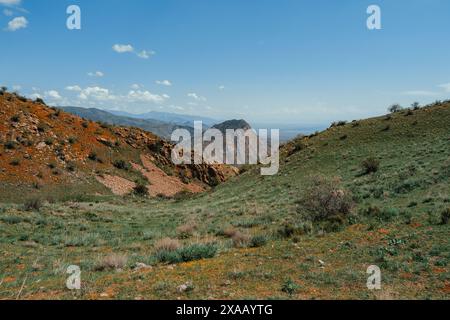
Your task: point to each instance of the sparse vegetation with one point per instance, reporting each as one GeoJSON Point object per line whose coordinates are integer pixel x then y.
{"type": "Point", "coordinates": [189, 253]}
{"type": "Point", "coordinates": [140, 190]}
{"type": "Point", "coordinates": [15, 162]}
{"type": "Point", "coordinates": [370, 165]}
{"type": "Point", "coordinates": [395, 108]}
{"type": "Point", "coordinates": [186, 230]}
{"type": "Point", "coordinates": [72, 140]}
{"type": "Point", "coordinates": [240, 240]}
{"type": "Point", "coordinates": [93, 156]}
{"type": "Point", "coordinates": [49, 141]}
{"type": "Point", "coordinates": [33, 204]}
{"type": "Point", "coordinates": [258, 241]}
{"type": "Point", "coordinates": [326, 199]}
{"type": "Point", "coordinates": [122, 165]}
{"type": "Point", "coordinates": [167, 244]}
{"type": "Point", "coordinates": [445, 216]}
{"type": "Point", "coordinates": [289, 286]}
{"type": "Point", "coordinates": [415, 106]}
{"type": "Point", "coordinates": [15, 118]}
{"type": "Point", "coordinates": [10, 145]}
{"type": "Point", "coordinates": [111, 262]}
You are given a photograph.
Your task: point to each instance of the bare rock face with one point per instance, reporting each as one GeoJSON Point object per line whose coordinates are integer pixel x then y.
{"type": "Point", "coordinates": [233, 124]}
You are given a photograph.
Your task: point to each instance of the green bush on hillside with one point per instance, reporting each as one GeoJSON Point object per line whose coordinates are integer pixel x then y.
{"type": "Point", "coordinates": [370, 165]}
{"type": "Point", "coordinates": [445, 216]}
{"type": "Point", "coordinates": [325, 199]}
{"type": "Point", "coordinates": [188, 253]}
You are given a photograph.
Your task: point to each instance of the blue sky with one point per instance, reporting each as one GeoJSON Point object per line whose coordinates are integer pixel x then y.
{"type": "Point", "coordinates": [284, 61]}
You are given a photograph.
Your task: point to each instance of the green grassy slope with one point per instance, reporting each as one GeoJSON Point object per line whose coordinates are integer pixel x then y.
{"type": "Point", "coordinates": [395, 223]}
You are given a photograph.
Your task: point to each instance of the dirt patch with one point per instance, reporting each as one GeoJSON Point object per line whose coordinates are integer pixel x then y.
{"type": "Point", "coordinates": [118, 185]}
{"type": "Point", "coordinates": [161, 183]}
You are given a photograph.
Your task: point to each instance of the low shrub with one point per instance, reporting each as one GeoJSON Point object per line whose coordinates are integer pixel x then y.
{"type": "Point", "coordinates": [325, 199]}
{"type": "Point", "coordinates": [122, 165]}
{"type": "Point", "coordinates": [289, 286]}
{"type": "Point", "coordinates": [40, 101]}
{"type": "Point", "coordinates": [93, 156]}
{"type": "Point", "coordinates": [15, 118]}
{"type": "Point", "coordinates": [10, 145]}
{"type": "Point", "coordinates": [167, 244]}
{"type": "Point", "coordinates": [41, 127]}
{"type": "Point", "coordinates": [385, 214]}
{"type": "Point", "coordinates": [445, 216]}
{"type": "Point", "coordinates": [186, 230]}
{"type": "Point", "coordinates": [198, 251]}
{"type": "Point", "coordinates": [72, 140]}
{"type": "Point", "coordinates": [240, 240]}
{"type": "Point", "coordinates": [71, 166]}
{"type": "Point", "coordinates": [111, 262]}
{"type": "Point", "coordinates": [15, 162]}
{"type": "Point", "coordinates": [338, 124]}
{"type": "Point", "coordinates": [228, 232]}
{"type": "Point", "coordinates": [189, 253]}
{"type": "Point", "coordinates": [33, 204]}
{"type": "Point", "coordinates": [140, 190]}
{"type": "Point", "coordinates": [370, 165]}
{"type": "Point", "coordinates": [258, 241]}
{"type": "Point", "coordinates": [395, 108]}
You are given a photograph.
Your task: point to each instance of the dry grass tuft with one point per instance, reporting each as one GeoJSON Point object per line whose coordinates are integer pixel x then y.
{"type": "Point", "coordinates": [167, 244]}
{"type": "Point", "coordinates": [240, 240]}
{"type": "Point", "coordinates": [113, 261]}
{"type": "Point", "coordinates": [186, 230]}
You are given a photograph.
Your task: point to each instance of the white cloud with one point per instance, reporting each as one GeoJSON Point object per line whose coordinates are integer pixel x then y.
{"type": "Point", "coordinates": [16, 87]}
{"type": "Point", "coordinates": [97, 74]}
{"type": "Point", "coordinates": [445, 86]}
{"type": "Point", "coordinates": [53, 94]}
{"type": "Point", "coordinates": [73, 88]}
{"type": "Point", "coordinates": [164, 83]}
{"type": "Point", "coordinates": [178, 108]}
{"type": "Point", "coordinates": [146, 96]}
{"type": "Point", "coordinates": [144, 54]}
{"type": "Point", "coordinates": [122, 48]}
{"type": "Point", "coordinates": [8, 12]}
{"type": "Point", "coordinates": [419, 93]}
{"type": "Point", "coordinates": [96, 93]}
{"type": "Point", "coordinates": [10, 2]}
{"type": "Point", "coordinates": [36, 96]}
{"type": "Point", "coordinates": [221, 88]}
{"type": "Point", "coordinates": [135, 86]}
{"type": "Point", "coordinates": [196, 97]}
{"type": "Point", "coordinates": [17, 23]}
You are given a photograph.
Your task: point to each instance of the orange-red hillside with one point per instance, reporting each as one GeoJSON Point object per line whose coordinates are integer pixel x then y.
{"type": "Point", "coordinates": [42, 146]}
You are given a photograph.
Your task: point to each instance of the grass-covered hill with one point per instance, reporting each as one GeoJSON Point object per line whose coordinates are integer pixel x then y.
{"type": "Point", "coordinates": [370, 192]}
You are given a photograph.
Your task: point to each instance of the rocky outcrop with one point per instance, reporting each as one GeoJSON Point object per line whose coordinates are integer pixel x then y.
{"type": "Point", "coordinates": [43, 145]}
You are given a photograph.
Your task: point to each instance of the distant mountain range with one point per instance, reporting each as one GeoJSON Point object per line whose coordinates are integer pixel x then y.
{"type": "Point", "coordinates": [179, 119]}
{"type": "Point", "coordinates": [161, 128]}
{"type": "Point", "coordinates": [163, 123]}
{"type": "Point", "coordinates": [160, 123]}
